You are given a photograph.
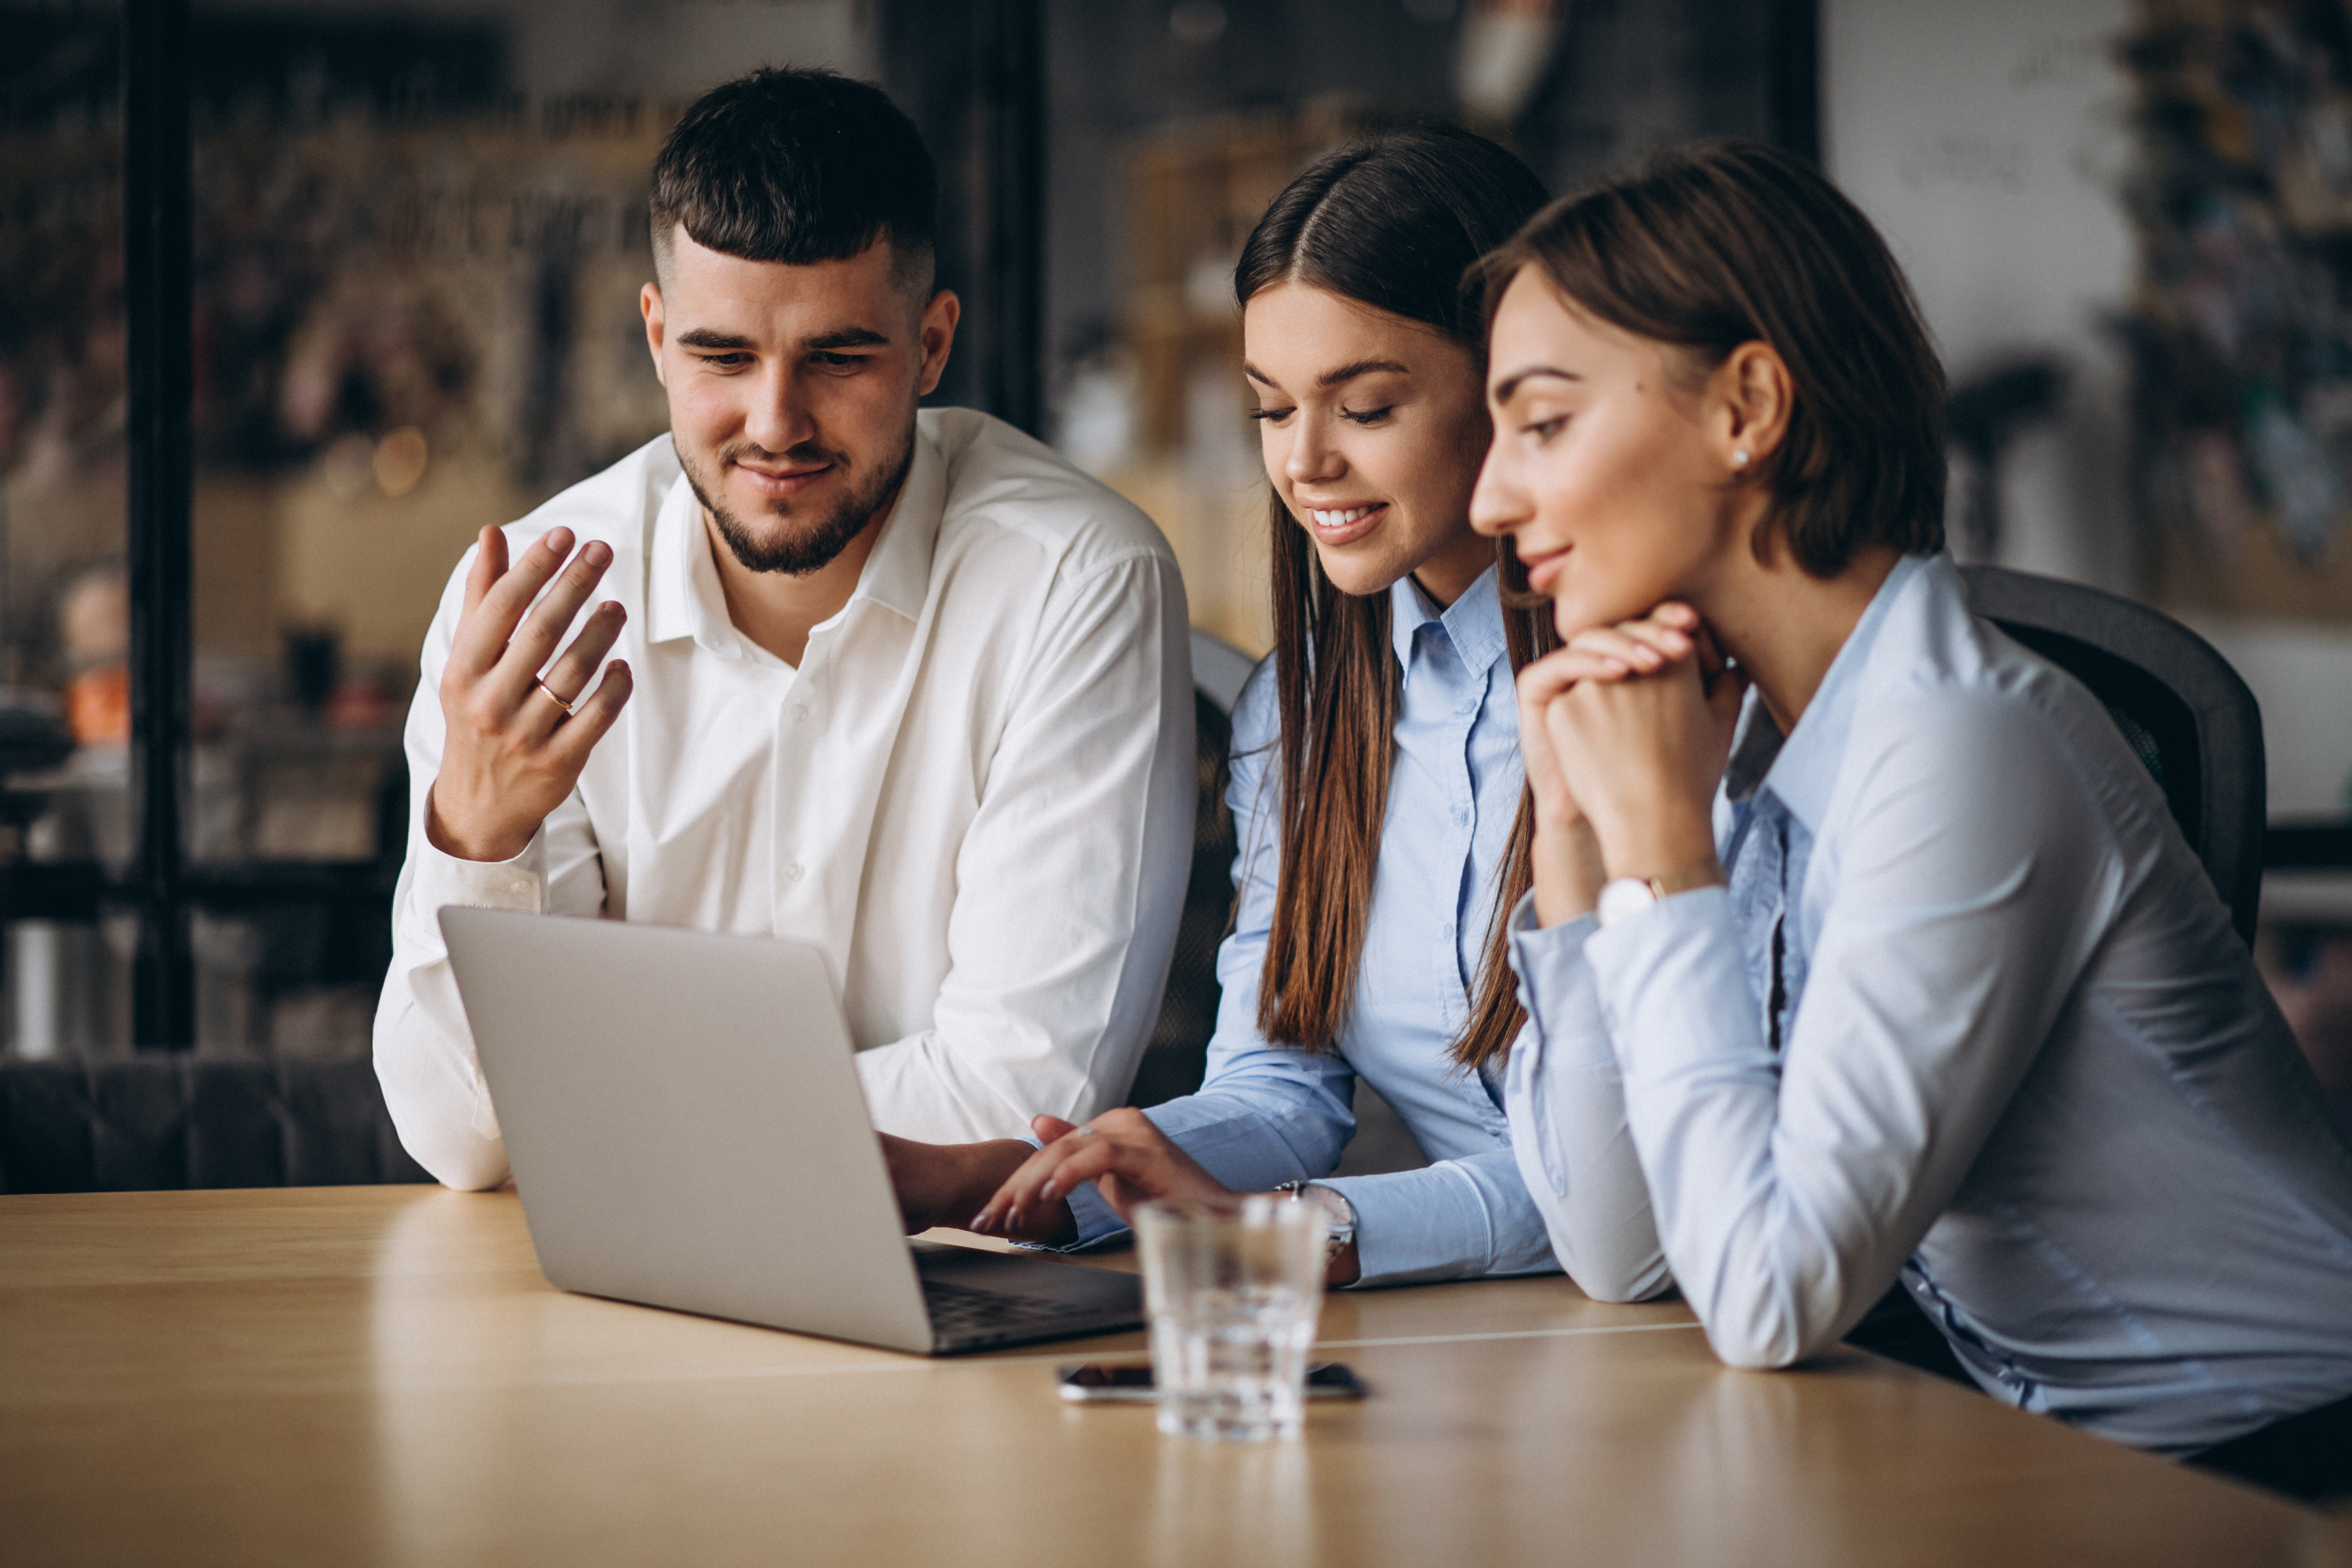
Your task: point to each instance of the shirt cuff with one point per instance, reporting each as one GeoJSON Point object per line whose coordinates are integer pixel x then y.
{"type": "Point", "coordinates": [1098, 1221]}
{"type": "Point", "coordinates": [1556, 988]}
{"type": "Point", "coordinates": [1416, 1224]}
{"type": "Point", "coordinates": [517, 884]}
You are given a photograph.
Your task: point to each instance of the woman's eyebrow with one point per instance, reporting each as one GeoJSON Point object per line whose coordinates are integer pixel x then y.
{"type": "Point", "coordinates": [1360, 367]}
{"type": "Point", "coordinates": [1334, 377]}
{"type": "Point", "coordinates": [1510, 383]}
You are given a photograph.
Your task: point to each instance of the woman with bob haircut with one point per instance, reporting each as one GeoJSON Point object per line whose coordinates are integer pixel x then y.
{"type": "Point", "coordinates": [1865, 920]}
{"type": "Point", "coordinates": [1376, 784]}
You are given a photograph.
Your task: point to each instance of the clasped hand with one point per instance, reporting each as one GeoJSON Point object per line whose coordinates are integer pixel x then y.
{"type": "Point", "coordinates": [1625, 733]}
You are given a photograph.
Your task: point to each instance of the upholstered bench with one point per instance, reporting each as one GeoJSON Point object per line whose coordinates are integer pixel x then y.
{"type": "Point", "coordinates": [138, 1123]}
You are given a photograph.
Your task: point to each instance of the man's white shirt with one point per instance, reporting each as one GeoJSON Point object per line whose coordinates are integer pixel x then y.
{"type": "Point", "coordinates": [975, 793]}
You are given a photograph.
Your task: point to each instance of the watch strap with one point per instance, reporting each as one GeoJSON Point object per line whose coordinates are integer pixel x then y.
{"type": "Point", "coordinates": [1339, 1215]}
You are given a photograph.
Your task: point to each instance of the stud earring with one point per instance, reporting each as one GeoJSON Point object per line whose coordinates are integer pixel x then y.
{"type": "Point", "coordinates": [1739, 457]}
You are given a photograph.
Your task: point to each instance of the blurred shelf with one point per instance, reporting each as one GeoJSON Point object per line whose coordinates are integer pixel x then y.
{"type": "Point", "coordinates": [2307, 844]}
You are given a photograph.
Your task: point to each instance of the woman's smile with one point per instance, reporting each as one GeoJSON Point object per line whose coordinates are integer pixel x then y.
{"type": "Point", "coordinates": [1336, 525]}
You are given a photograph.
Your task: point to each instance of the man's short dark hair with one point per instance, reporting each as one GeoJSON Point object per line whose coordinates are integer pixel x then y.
{"type": "Point", "coordinates": [797, 166]}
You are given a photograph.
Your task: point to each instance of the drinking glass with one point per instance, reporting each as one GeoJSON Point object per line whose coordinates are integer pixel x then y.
{"type": "Point", "coordinates": [1233, 1288]}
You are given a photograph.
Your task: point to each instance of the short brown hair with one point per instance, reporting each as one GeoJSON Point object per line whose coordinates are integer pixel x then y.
{"type": "Point", "coordinates": [1735, 243]}
{"type": "Point", "coordinates": [796, 166]}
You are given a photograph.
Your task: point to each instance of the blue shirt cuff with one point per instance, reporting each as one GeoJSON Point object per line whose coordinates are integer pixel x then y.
{"type": "Point", "coordinates": [1098, 1221]}
{"type": "Point", "coordinates": [1455, 1219]}
{"type": "Point", "coordinates": [1556, 988]}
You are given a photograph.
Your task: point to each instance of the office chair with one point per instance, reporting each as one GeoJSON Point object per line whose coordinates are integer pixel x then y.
{"type": "Point", "coordinates": [2193, 725]}
{"type": "Point", "coordinates": [2185, 714]}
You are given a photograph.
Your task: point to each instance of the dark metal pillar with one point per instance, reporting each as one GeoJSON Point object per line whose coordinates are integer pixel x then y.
{"type": "Point", "coordinates": [159, 255]}
{"type": "Point", "coordinates": [1793, 71]}
{"type": "Point", "coordinates": [971, 76]}
{"type": "Point", "coordinates": [1012, 110]}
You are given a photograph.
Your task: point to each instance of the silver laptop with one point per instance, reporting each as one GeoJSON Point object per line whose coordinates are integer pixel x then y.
{"type": "Point", "coordinates": [686, 1129]}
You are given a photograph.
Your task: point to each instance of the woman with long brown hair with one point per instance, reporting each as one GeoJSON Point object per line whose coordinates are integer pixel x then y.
{"type": "Point", "coordinates": [1863, 921]}
{"type": "Point", "coordinates": [1376, 781]}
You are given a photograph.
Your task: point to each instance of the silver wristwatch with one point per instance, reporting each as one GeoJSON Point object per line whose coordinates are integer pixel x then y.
{"type": "Point", "coordinates": [1339, 1215]}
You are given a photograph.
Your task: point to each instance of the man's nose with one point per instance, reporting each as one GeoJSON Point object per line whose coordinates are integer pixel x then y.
{"type": "Point", "coordinates": [778, 418]}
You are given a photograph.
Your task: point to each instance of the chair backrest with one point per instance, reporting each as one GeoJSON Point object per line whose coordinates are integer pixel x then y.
{"type": "Point", "coordinates": [2187, 715]}
{"type": "Point", "coordinates": [1178, 1055]}
{"type": "Point", "coordinates": [1220, 671]}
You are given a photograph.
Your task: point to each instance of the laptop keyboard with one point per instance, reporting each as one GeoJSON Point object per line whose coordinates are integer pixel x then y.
{"type": "Point", "coordinates": [958, 1310]}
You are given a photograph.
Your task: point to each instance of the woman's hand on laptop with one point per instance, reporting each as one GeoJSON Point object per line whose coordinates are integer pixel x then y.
{"type": "Point", "coordinates": [1122, 1151]}
{"type": "Point", "coordinates": [516, 738]}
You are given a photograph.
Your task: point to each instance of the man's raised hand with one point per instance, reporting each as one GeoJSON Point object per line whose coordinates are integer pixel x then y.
{"type": "Point", "coordinates": [512, 751]}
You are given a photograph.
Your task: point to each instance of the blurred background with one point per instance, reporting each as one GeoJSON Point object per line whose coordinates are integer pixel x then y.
{"type": "Point", "coordinates": [418, 233]}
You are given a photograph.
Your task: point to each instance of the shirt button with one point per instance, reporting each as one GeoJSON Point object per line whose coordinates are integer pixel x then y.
{"type": "Point", "coordinates": [799, 711]}
{"type": "Point", "coordinates": [793, 871]}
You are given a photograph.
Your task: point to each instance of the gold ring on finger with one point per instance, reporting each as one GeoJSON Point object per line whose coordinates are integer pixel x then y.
{"type": "Point", "coordinates": [570, 711]}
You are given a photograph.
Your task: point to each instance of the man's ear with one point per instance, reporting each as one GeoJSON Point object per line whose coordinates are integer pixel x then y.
{"type": "Point", "coordinates": [649, 305]}
{"type": "Point", "coordinates": [936, 332]}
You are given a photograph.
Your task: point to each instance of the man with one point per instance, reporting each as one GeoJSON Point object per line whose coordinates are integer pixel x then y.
{"type": "Point", "coordinates": [907, 686]}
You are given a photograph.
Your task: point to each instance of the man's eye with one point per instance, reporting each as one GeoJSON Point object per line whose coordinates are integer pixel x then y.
{"type": "Point", "coordinates": [725, 361]}
{"type": "Point", "coordinates": [838, 362]}
{"type": "Point", "coordinates": [1368, 416]}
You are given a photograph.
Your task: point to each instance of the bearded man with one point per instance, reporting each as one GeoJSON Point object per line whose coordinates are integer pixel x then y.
{"type": "Point", "coordinates": [903, 684]}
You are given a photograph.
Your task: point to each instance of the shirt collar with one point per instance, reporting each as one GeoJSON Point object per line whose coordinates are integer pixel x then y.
{"type": "Point", "coordinates": [898, 573]}
{"type": "Point", "coordinates": [1473, 623]}
{"type": "Point", "coordinates": [1802, 769]}
{"type": "Point", "coordinates": [684, 597]}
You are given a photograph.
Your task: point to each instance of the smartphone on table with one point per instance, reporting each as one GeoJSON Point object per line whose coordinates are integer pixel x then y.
{"type": "Point", "coordinates": [1091, 1382]}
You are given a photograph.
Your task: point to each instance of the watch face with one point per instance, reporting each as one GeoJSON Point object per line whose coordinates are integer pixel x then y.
{"type": "Point", "coordinates": [1621, 897]}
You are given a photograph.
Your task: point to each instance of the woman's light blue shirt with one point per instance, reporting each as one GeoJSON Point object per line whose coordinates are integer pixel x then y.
{"type": "Point", "coordinates": [1268, 1113]}
{"type": "Point", "coordinates": [2016, 1057]}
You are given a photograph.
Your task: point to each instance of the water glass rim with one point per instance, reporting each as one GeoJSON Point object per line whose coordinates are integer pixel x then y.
{"type": "Point", "coordinates": [1252, 1210]}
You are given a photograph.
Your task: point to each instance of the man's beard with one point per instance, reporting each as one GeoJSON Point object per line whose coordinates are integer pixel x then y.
{"type": "Point", "coordinates": [798, 554]}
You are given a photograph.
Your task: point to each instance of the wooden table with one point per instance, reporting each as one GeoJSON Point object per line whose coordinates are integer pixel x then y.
{"type": "Point", "coordinates": [360, 1375]}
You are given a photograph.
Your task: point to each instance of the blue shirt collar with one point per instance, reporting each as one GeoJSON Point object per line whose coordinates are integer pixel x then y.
{"type": "Point", "coordinates": [1473, 623]}
{"type": "Point", "coordinates": [1803, 770]}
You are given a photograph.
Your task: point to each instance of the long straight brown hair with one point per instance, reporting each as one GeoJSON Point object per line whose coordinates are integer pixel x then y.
{"type": "Point", "coordinates": [1395, 223]}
